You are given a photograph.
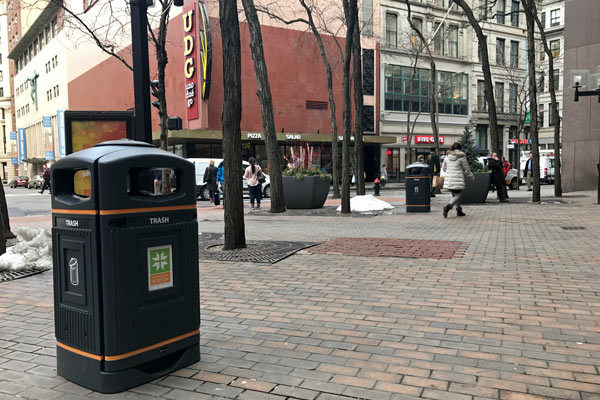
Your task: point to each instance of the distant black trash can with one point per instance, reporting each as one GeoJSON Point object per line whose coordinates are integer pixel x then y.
{"type": "Point", "coordinates": [126, 284]}
{"type": "Point", "coordinates": [418, 191]}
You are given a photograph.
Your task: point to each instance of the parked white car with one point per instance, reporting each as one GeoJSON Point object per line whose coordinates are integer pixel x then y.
{"type": "Point", "coordinates": [202, 191]}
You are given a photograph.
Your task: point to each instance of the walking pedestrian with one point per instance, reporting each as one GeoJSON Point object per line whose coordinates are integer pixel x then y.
{"type": "Point", "coordinates": [456, 168]}
{"type": "Point", "coordinates": [505, 166]}
{"type": "Point", "coordinates": [528, 171]}
{"type": "Point", "coordinates": [221, 181]}
{"type": "Point", "coordinates": [210, 178]}
{"type": "Point", "coordinates": [383, 175]}
{"type": "Point", "coordinates": [433, 160]}
{"type": "Point", "coordinates": [252, 174]}
{"type": "Point", "coordinates": [495, 165]}
{"type": "Point", "coordinates": [46, 178]}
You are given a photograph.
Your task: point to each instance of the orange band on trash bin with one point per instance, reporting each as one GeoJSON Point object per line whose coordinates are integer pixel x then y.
{"type": "Point", "coordinates": [131, 353]}
{"type": "Point", "coordinates": [85, 212]}
{"type": "Point", "coordinates": [152, 347]}
{"type": "Point", "coordinates": [413, 177]}
{"type": "Point", "coordinates": [149, 209]}
{"type": "Point", "coordinates": [81, 353]}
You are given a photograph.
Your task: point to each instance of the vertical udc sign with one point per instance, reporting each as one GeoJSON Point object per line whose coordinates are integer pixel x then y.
{"type": "Point", "coordinates": [160, 267]}
{"type": "Point", "coordinates": [190, 64]}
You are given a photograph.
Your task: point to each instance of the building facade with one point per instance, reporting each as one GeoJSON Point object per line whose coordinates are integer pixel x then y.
{"type": "Point", "coordinates": [552, 16]}
{"type": "Point", "coordinates": [8, 142]}
{"type": "Point", "coordinates": [461, 103]}
{"type": "Point", "coordinates": [581, 136]}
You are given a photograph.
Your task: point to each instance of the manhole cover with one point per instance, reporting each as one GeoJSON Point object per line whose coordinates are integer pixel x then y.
{"type": "Point", "coordinates": [574, 228]}
{"type": "Point", "coordinates": [385, 247]}
{"type": "Point", "coordinates": [12, 275]}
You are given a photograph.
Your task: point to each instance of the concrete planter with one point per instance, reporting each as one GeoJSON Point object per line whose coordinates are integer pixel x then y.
{"type": "Point", "coordinates": [308, 192]}
{"type": "Point", "coordinates": [477, 191]}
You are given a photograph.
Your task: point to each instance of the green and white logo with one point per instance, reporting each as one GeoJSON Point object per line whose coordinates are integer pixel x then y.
{"type": "Point", "coordinates": [160, 265]}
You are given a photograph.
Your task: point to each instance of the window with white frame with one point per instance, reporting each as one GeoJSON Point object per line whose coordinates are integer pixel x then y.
{"type": "Point", "coordinates": [555, 17]}
{"type": "Point", "coordinates": [391, 30]}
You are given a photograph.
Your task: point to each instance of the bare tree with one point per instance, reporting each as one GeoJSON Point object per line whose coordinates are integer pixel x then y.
{"type": "Point", "coordinates": [487, 74]}
{"type": "Point", "coordinates": [266, 107]}
{"type": "Point", "coordinates": [533, 108]}
{"type": "Point", "coordinates": [310, 22]}
{"type": "Point", "coordinates": [531, 12]}
{"type": "Point", "coordinates": [350, 8]}
{"type": "Point", "coordinates": [432, 81]}
{"type": "Point", "coordinates": [235, 236]}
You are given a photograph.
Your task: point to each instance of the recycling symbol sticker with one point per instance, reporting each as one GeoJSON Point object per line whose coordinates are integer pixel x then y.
{"type": "Point", "coordinates": [160, 267]}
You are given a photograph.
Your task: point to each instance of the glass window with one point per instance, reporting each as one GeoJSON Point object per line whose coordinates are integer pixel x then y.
{"type": "Point", "coordinates": [499, 92]}
{"type": "Point", "coordinates": [543, 19]}
{"type": "Point", "coordinates": [551, 119]}
{"type": "Point", "coordinates": [415, 40]}
{"type": "Point", "coordinates": [555, 17]}
{"type": "Point", "coordinates": [391, 30]}
{"type": "Point", "coordinates": [500, 43]}
{"type": "Point", "coordinates": [53, 27]}
{"type": "Point", "coordinates": [555, 48]}
{"type": "Point", "coordinates": [514, 13]}
{"type": "Point", "coordinates": [556, 78]}
{"type": "Point", "coordinates": [541, 116]}
{"type": "Point", "coordinates": [452, 41]}
{"type": "Point", "coordinates": [514, 54]}
{"type": "Point", "coordinates": [481, 137]}
{"type": "Point", "coordinates": [409, 89]}
{"type": "Point", "coordinates": [512, 97]}
{"type": "Point", "coordinates": [438, 40]}
{"type": "Point", "coordinates": [542, 83]}
{"type": "Point", "coordinates": [501, 9]}
{"type": "Point", "coordinates": [481, 102]}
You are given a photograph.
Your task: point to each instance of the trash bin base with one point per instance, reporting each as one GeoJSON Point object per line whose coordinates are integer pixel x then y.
{"type": "Point", "coordinates": [88, 373]}
{"type": "Point", "coordinates": [410, 208]}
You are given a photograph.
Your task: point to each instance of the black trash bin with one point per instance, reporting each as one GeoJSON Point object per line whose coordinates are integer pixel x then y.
{"type": "Point", "coordinates": [418, 196]}
{"type": "Point", "coordinates": [126, 285]}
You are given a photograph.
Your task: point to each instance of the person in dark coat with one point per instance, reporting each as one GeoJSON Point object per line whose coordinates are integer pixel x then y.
{"type": "Point", "coordinates": [46, 178]}
{"type": "Point", "coordinates": [495, 165]}
{"type": "Point", "coordinates": [433, 160]}
{"type": "Point", "coordinates": [210, 178]}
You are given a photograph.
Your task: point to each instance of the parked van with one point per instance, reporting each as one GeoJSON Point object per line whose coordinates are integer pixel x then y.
{"type": "Point", "coordinates": [202, 191]}
{"type": "Point", "coordinates": [546, 169]}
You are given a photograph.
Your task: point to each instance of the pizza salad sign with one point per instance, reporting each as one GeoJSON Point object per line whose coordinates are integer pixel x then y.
{"type": "Point", "coordinates": [197, 50]}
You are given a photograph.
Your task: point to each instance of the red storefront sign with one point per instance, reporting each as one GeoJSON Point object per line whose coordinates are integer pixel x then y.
{"type": "Point", "coordinates": [520, 141]}
{"type": "Point", "coordinates": [424, 139]}
{"type": "Point", "coordinates": [190, 64]}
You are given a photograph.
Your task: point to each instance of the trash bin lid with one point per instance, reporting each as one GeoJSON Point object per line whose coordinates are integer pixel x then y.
{"type": "Point", "coordinates": [124, 142]}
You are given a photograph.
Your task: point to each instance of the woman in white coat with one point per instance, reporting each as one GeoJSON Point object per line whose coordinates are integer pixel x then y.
{"type": "Point", "coordinates": [456, 168]}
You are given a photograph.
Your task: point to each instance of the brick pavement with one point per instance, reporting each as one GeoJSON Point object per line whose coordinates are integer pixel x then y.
{"type": "Point", "coordinates": [516, 317]}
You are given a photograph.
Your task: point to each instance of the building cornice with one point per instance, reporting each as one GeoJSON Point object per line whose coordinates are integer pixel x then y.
{"type": "Point", "coordinates": [44, 18]}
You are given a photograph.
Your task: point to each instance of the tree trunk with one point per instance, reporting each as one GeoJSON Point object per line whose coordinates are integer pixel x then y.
{"type": "Point", "coordinates": [533, 108]}
{"type": "Point", "coordinates": [349, 10]}
{"type": "Point", "coordinates": [266, 107]}
{"type": "Point", "coordinates": [532, 11]}
{"type": "Point", "coordinates": [235, 236]}
{"type": "Point", "coordinates": [487, 74]}
{"type": "Point", "coordinates": [358, 109]}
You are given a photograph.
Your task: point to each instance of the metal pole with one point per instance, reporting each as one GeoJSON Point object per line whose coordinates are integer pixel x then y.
{"type": "Point", "coordinates": [141, 73]}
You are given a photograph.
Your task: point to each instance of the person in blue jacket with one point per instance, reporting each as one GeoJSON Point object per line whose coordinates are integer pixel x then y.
{"type": "Point", "coordinates": [221, 181]}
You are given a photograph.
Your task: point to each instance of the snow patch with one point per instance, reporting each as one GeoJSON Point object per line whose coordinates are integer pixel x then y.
{"type": "Point", "coordinates": [33, 250]}
{"type": "Point", "coordinates": [367, 203]}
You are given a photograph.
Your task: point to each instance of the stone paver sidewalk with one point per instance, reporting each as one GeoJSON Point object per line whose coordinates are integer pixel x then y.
{"type": "Point", "coordinates": [516, 315]}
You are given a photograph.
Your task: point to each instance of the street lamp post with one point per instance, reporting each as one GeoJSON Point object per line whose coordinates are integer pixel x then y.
{"type": "Point", "coordinates": [141, 73]}
{"type": "Point", "coordinates": [581, 79]}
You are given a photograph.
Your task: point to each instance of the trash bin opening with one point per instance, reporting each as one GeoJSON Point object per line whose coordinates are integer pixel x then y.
{"type": "Point", "coordinates": [153, 182]}
{"type": "Point", "coordinates": [82, 183]}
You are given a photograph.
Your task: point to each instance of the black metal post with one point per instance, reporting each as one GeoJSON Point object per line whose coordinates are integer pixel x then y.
{"type": "Point", "coordinates": [141, 73]}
